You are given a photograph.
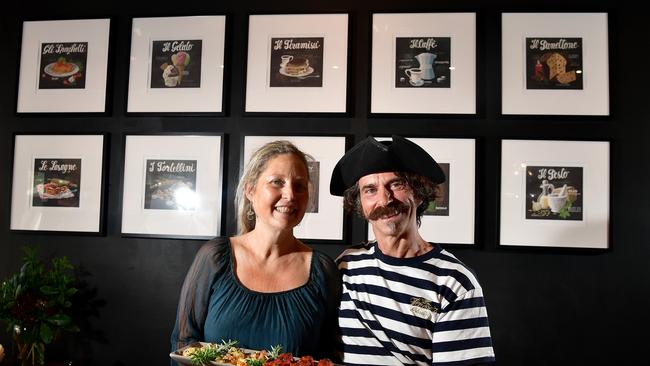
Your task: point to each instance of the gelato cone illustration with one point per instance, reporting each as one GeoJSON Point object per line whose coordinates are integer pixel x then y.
{"type": "Point", "coordinates": [171, 75]}
{"type": "Point", "coordinates": [181, 60]}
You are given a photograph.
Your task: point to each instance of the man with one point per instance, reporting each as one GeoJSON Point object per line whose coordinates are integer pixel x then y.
{"type": "Point", "coordinates": [404, 301]}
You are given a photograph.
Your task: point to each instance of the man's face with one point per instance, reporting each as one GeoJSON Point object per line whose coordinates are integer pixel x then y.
{"type": "Point", "coordinates": [388, 203]}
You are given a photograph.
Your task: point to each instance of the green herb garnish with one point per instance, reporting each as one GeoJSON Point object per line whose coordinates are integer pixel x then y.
{"type": "Point", "coordinates": [223, 348]}
{"type": "Point", "coordinates": [210, 352]}
{"type": "Point", "coordinates": [203, 355]}
{"type": "Point", "coordinates": [275, 352]}
{"type": "Point", "coordinates": [254, 362]}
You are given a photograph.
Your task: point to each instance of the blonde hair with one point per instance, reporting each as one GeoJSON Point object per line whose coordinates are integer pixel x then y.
{"type": "Point", "coordinates": [252, 171]}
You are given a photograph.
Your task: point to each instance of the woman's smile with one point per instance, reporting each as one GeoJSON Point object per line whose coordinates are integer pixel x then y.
{"type": "Point", "coordinates": [281, 193]}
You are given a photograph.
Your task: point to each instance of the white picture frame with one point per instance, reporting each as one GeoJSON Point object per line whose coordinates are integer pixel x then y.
{"type": "Point", "coordinates": [172, 186]}
{"type": "Point", "coordinates": [325, 222]}
{"type": "Point", "coordinates": [589, 32]}
{"type": "Point", "coordinates": [451, 37]}
{"type": "Point", "coordinates": [197, 83]}
{"type": "Point", "coordinates": [63, 66]}
{"type": "Point", "coordinates": [321, 40]}
{"type": "Point", "coordinates": [453, 224]}
{"type": "Point", "coordinates": [58, 183]}
{"type": "Point", "coordinates": [572, 217]}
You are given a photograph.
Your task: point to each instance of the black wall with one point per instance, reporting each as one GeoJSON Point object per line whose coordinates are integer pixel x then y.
{"type": "Point", "coordinates": [546, 306]}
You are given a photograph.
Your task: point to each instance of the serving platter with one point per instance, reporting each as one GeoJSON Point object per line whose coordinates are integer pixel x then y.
{"type": "Point", "coordinates": [185, 360]}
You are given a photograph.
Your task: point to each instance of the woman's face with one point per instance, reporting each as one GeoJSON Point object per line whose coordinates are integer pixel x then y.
{"type": "Point", "coordinates": [281, 193]}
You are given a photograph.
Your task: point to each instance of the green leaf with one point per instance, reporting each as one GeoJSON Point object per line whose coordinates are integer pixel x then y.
{"type": "Point", "coordinates": [60, 320]}
{"type": "Point", "coordinates": [72, 328]}
{"type": "Point", "coordinates": [49, 290]}
{"type": "Point", "coordinates": [24, 268]}
{"type": "Point", "coordinates": [564, 211]}
{"type": "Point", "coordinates": [40, 353]}
{"type": "Point", "coordinates": [46, 333]}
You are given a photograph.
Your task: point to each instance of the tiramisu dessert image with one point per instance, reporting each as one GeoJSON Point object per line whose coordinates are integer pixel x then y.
{"type": "Point", "coordinates": [298, 66]}
{"type": "Point", "coordinates": [296, 62]}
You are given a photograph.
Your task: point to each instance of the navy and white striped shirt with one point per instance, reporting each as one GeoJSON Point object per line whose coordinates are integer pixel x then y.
{"type": "Point", "coordinates": [426, 310]}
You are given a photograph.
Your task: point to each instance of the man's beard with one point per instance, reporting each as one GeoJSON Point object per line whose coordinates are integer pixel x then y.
{"type": "Point", "coordinates": [390, 209]}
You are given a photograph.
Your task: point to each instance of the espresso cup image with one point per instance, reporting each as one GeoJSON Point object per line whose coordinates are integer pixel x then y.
{"type": "Point", "coordinates": [414, 74]}
{"type": "Point", "coordinates": [556, 202]}
{"type": "Point", "coordinates": [285, 59]}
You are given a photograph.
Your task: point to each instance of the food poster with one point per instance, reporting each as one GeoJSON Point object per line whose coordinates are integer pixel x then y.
{"type": "Point", "coordinates": [57, 182]}
{"type": "Point", "coordinates": [554, 193]}
{"type": "Point", "coordinates": [63, 65]}
{"type": "Point", "coordinates": [297, 62]}
{"type": "Point", "coordinates": [314, 177]}
{"type": "Point", "coordinates": [440, 206]}
{"type": "Point", "coordinates": [553, 63]}
{"type": "Point", "coordinates": [176, 64]}
{"type": "Point", "coordinates": [170, 185]}
{"type": "Point", "coordinates": [422, 62]}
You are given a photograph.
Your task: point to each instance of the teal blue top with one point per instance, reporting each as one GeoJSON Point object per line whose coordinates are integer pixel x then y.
{"type": "Point", "coordinates": [215, 306]}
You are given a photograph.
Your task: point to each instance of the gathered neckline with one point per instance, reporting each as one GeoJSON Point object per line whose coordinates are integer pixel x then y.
{"type": "Point", "coordinates": [231, 262]}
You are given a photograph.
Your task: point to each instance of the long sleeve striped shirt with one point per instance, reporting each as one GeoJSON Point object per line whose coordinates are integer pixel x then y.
{"type": "Point", "coordinates": [426, 310]}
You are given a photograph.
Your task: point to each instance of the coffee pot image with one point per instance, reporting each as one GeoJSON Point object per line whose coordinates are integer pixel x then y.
{"type": "Point", "coordinates": [426, 65]}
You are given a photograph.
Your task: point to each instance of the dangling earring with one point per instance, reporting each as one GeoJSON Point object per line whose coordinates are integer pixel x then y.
{"type": "Point", "coordinates": [250, 215]}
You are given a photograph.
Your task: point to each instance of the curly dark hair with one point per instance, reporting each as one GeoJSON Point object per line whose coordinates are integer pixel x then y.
{"type": "Point", "coordinates": [423, 189]}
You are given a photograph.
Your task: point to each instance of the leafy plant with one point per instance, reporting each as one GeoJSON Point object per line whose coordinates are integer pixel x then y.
{"type": "Point", "coordinates": [35, 303]}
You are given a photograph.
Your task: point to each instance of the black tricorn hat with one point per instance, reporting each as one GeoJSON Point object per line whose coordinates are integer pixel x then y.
{"type": "Point", "coordinates": [372, 156]}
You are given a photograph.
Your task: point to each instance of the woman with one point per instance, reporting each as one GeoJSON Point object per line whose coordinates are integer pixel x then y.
{"type": "Point", "coordinates": [263, 287]}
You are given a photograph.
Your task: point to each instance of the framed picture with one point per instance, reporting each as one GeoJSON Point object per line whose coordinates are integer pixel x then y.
{"type": "Point", "coordinates": [177, 64]}
{"type": "Point", "coordinates": [297, 63]}
{"type": "Point", "coordinates": [555, 64]}
{"type": "Point", "coordinates": [450, 218]}
{"type": "Point", "coordinates": [423, 63]}
{"type": "Point", "coordinates": [58, 183]}
{"type": "Point", "coordinates": [172, 186]}
{"type": "Point", "coordinates": [555, 193]}
{"type": "Point", "coordinates": [63, 66]}
{"type": "Point", "coordinates": [324, 217]}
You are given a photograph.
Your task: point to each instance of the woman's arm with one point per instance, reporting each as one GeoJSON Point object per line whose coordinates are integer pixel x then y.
{"type": "Point", "coordinates": [195, 295]}
{"type": "Point", "coordinates": [329, 335]}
